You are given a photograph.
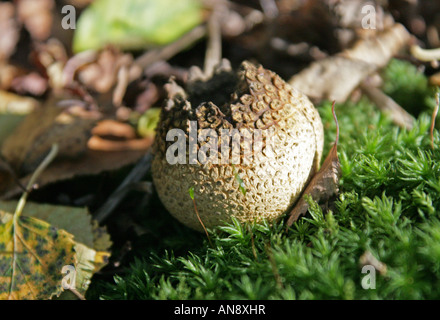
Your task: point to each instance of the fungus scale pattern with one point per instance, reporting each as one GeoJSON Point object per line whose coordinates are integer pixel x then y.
{"type": "Point", "coordinates": [274, 174]}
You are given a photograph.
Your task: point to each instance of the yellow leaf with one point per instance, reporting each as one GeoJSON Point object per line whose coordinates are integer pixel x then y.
{"type": "Point", "coordinates": [91, 242]}
{"type": "Point", "coordinates": [32, 256]}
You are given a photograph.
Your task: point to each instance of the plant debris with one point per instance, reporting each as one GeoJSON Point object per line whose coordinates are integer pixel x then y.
{"type": "Point", "coordinates": [95, 82]}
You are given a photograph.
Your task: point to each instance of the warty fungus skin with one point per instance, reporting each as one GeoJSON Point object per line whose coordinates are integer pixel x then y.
{"type": "Point", "coordinates": [249, 100]}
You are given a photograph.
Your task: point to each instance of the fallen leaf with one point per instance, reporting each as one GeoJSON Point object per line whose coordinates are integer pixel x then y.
{"type": "Point", "coordinates": [13, 109]}
{"type": "Point", "coordinates": [32, 139]}
{"type": "Point", "coordinates": [33, 254]}
{"type": "Point", "coordinates": [91, 163]}
{"type": "Point", "coordinates": [111, 135]}
{"type": "Point", "coordinates": [14, 104]}
{"type": "Point", "coordinates": [134, 24]}
{"type": "Point", "coordinates": [91, 242]}
{"type": "Point", "coordinates": [76, 221]}
{"type": "Point", "coordinates": [101, 238]}
{"type": "Point", "coordinates": [324, 183]}
{"type": "Point", "coordinates": [31, 83]}
{"type": "Point", "coordinates": [101, 74]}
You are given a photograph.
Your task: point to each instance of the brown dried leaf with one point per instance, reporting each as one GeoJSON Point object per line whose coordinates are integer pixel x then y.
{"type": "Point", "coordinates": [91, 163]}
{"type": "Point", "coordinates": [86, 146]}
{"type": "Point", "coordinates": [101, 75]}
{"type": "Point", "coordinates": [33, 138]}
{"type": "Point", "coordinates": [323, 185]}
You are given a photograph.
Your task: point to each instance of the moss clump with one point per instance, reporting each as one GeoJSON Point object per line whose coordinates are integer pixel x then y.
{"type": "Point", "coordinates": [408, 86]}
{"type": "Point", "coordinates": [389, 205]}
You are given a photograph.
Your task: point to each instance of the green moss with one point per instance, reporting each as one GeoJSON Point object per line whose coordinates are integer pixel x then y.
{"type": "Point", "coordinates": [408, 86]}
{"type": "Point", "coordinates": [389, 204]}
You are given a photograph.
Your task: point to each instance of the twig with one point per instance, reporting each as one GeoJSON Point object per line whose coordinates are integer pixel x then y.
{"type": "Point", "coordinates": [49, 158]}
{"type": "Point", "coordinates": [426, 55]}
{"type": "Point", "coordinates": [168, 51]}
{"type": "Point", "coordinates": [399, 115]}
{"type": "Point", "coordinates": [270, 8]}
{"type": "Point", "coordinates": [136, 174]}
{"type": "Point", "coordinates": [191, 194]}
{"type": "Point", "coordinates": [121, 86]}
{"type": "Point", "coordinates": [77, 294]}
{"type": "Point", "coordinates": [214, 48]}
{"type": "Point", "coordinates": [254, 251]}
{"type": "Point", "coordinates": [335, 118]}
{"type": "Point", "coordinates": [367, 258]}
{"type": "Point", "coordinates": [273, 265]}
{"type": "Point", "coordinates": [434, 115]}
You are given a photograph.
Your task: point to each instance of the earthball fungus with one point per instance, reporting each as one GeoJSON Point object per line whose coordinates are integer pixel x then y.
{"type": "Point", "coordinates": [245, 143]}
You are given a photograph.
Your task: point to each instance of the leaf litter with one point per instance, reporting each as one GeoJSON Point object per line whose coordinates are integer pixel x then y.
{"type": "Point", "coordinates": [35, 252]}
{"type": "Point", "coordinates": [93, 104]}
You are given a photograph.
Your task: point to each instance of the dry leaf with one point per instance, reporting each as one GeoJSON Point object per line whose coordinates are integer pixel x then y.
{"type": "Point", "coordinates": [324, 183]}
{"type": "Point", "coordinates": [91, 163]}
{"type": "Point", "coordinates": [101, 75]}
{"type": "Point", "coordinates": [111, 135]}
{"type": "Point", "coordinates": [32, 255]}
{"type": "Point", "coordinates": [13, 109]}
{"type": "Point", "coordinates": [32, 139]}
{"type": "Point", "coordinates": [15, 104]}
{"type": "Point", "coordinates": [91, 242]}
{"type": "Point", "coordinates": [76, 221]}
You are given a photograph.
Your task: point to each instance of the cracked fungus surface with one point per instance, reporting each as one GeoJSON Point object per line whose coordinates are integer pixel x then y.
{"type": "Point", "coordinates": [273, 174]}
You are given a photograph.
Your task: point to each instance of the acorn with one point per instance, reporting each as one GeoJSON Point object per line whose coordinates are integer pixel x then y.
{"type": "Point", "coordinates": [245, 143]}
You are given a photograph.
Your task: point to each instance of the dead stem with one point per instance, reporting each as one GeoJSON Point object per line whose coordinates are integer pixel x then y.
{"type": "Point", "coordinates": [427, 55]}
{"type": "Point", "coordinates": [273, 265]}
{"type": "Point", "coordinates": [434, 115]}
{"type": "Point", "coordinates": [201, 222]}
{"type": "Point", "coordinates": [398, 115]}
{"type": "Point", "coordinates": [214, 47]}
{"type": "Point", "coordinates": [136, 174]}
{"type": "Point", "coordinates": [170, 50]}
{"type": "Point", "coordinates": [336, 122]}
